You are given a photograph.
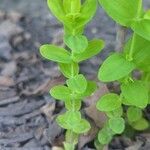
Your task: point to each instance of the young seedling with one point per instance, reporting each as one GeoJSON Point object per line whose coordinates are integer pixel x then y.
{"type": "Point", "coordinates": [74, 15]}
{"type": "Point", "coordinates": [120, 67]}
{"type": "Point", "coordinates": [135, 92]}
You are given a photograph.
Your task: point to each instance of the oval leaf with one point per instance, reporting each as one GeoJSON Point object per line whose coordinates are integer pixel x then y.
{"type": "Point", "coordinates": [117, 125]}
{"type": "Point", "coordinates": [77, 84]}
{"type": "Point", "coordinates": [87, 11]}
{"type": "Point", "coordinates": [116, 113]}
{"type": "Point", "coordinates": [105, 136]}
{"type": "Point", "coordinates": [61, 92]}
{"type": "Point", "coordinates": [109, 102]}
{"type": "Point", "coordinates": [94, 47]}
{"type": "Point", "coordinates": [91, 87]}
{"type": "Point", "coordinates": [82, 127]}
{"type": "Point", "coordinates": [141, 124]}
{"type": "Point", "coordinates": [72, 6]}
{"type": "Point", "coordinates": [69, 70]}
{"type": "Point", "coordinates": [77, 43]}
{"type": "Point", "coordinates": [114, 68]}
{"type": "Point", "coordinates": [136, 93]}
{"type": "Point", "coordinates": [55, 53]}
{"type": "Point", "coordinates": [73, 104]}
{"type": "Point", "coordinates": [142, 28]}
{"type": "Point", "coordinates": [56, 6]}
{"type": "Point", "coordinates": [141, 52]}
{"type": "Point", "coordinates": [69, 119]}
{"type": "Point", "coordinates": [122, 11]}
{"type": "Point", "coordinates": [134, 114]}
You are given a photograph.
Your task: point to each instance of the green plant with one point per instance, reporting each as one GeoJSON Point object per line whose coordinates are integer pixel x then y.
{"type": "Point", "coordinates": [120, 67]}
{"type": "Point", "coordinates": [74, 15]}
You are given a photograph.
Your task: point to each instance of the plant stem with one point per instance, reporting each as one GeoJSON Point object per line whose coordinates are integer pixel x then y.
{"type": "Point", "coordinates": [72, 135]}
{"type": "Point", "coordinates": [132, 47]}
{"type": "Point", "coordinates": [140, 3]}
{"type": "Point", "coordinates": [134, 34]}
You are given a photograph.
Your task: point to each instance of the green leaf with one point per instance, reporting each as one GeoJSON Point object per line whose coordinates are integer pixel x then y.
{"type": "Point", "coordinates": [56, 6]}
{"type": "Point", "coordinates": [73, 104]}
{"type": "Point", "coordinates": [77, 43]}
{"type": "Point", "coordinates": [142, 28]}
{"type": "Point", "coordinates": [117, 125]}
{"type": "Point", "coordinates": [114, 68]}
{"type": "Point", "coordinates": [74, 137]}
{"type": "Point", "coordinates": [105, 136]}
{"type": "Point", "coordinates": [72, 6]}
{"type": "Point", "coordinates": [77, 84]}
{"type": "Point", "coordinates": [147, 15]}
{"type": "Point", "coordinates": [141, 52]}
{"type": "Point", "coordinates": [61, 92]}
{"type": "Point", "coordinates": [94, 47]}
{"type": "Point", "coordinates": [69, 70]}
{"type": "Point", "coordinates": [134, 114]}
{"type": "Point", "coordinates": [141, 124]}
{"type": "Point", "coordinates": [109, 102]}
{"type": "Point", "coordinates": [82, 127]}
{"type": "Point", "coordinates": [116, 113]}
{"type": "Point", "coordinates": [87, 11]}
{"type": "Point", "coordinates": [135, 93]}
{"type": "Point", "coordinates": [69, 119]}
{"type": "Point", "coordinates": [122, 11]}
{"type": "Point", "coordinates": [69, 146]}
{"type": "Point", "coordinates": [91, 87]}
{"type": "Point", "coordinates": [55, 53]}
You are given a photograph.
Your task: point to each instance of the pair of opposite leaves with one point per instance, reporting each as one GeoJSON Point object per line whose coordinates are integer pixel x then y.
{"type": "Point", "coordinates": [72, 13]}
{"type": "Point", "coordinates": [71, 120]}
{"type": "Point", "coordinates": [77, 88]}
{"type": "Point", "coordinates": [66, 60]}
{"type": "Point", "coordinates": [134, 94]}
{"type": "Point", "coordinates": [125, 13]}
{"type": "Point", "coordinates": [116, 124]}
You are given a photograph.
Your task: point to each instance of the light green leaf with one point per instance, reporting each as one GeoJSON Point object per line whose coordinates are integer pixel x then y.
{"type": "Point", "coordinates": [77, 84]}
{"type": "Point", "coordinates": [61, 92]}
{"type": "Point", "coordinates": [72, 6]}
{"type": "Point", "coordinates": [141, 124]}
{"type": "Point", "coordinates": [134, 114]}
{"type": "Point", "coordinates": [69, 146]}
{"type": "Point", "coordinates": [91, 87]}
{"type": "Point", "coordinates": [69, 119]}
{"type": "Point", "coordinates": [116, 113]}
{"type": "Point", "coordinates": [122, 11]}
{"type": "Point", "coordinates": [142, 28]}
{"type": "Point", "coordinates": [69, 70]}
{"type": "Point", "coordinates": [74, 139]}
{"type": "Point", "coordinates": [109, 102]}
{"type": "Point", "coordinates": [82, 127]}
{"type": "Point", "coordinates": [114, 68]}
{"type": "Point", "coordinates": [56, 6]}
{"type": "Point", "coordinates": [55, 53]}
{"type": "Point", "coordinates": [105, 136]}
{"type": "Point", "coordinates": [141, 52]}
{"type": "Point", "coordinates": [94, 47]}
{"type": "Point", "coordinates": [87, 11]}
{"type": "Point", "coordinates": [135, 93]}
{"type": "Point", "coordinates": [73, 104]}
{"type": "Point", "coordinates": [77, 43]}
{"type": "Point", "coordinates": [117, 125]}
{"type": "Point", "coordinates": [147, 15]}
